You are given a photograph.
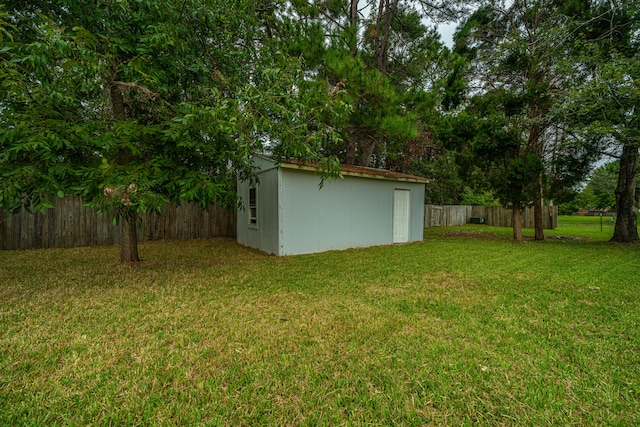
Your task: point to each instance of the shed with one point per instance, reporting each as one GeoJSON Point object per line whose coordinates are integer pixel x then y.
{"type": "Point", "coordinates": [288, 213]}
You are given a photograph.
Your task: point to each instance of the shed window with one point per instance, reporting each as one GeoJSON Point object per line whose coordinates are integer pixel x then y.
{"type": "Point", "coordinates": [253, 207]}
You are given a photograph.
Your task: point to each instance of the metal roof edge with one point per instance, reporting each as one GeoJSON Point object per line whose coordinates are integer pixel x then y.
{"type": "Point", "coordinates": [402, 178]}
{"type": "Point", "coordinates": [363, 172]}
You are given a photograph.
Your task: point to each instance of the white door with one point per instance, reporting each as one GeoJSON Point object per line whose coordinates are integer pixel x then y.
{"type": "Point", "coordinates": [401, 205]}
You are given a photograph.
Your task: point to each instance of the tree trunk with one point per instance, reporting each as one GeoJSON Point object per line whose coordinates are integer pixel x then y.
{"type": "Point", "coordinates": [367, 153]}
{"type": "Point", "coordinates": [128, 234]}
{"type": "Point", "coordinates": [351, 148]}
{"type": "Point", "coordinates": [129, 239]}
{"type": "Point", "coordinates": [353, 20]}
{"type": "Point", "coordinates": [538, 217]}
{"type": "Point", "coordinates": [626, 228]}
{"type": "Point", "coordinates": [376, 40]}
{"type": "Point", "coordinates": [517, 224]}
{"type": "Point", "coordinates": [353, 14]}
{"type": "Point", "coordinates": [385, 14]}
{"type": "Point", "coordinates": [117, 101]}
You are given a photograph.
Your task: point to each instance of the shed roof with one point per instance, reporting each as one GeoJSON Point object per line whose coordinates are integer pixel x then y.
{"type": "Point", "coordinates": [352, 170]}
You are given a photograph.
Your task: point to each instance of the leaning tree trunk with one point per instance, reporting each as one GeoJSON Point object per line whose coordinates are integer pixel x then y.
{"type": "Point", "coordinates": [517, 225]}
{"type": "Point", "coordinates": [626, 229]}
{"type": "Point", "coordinates": [128, 234]}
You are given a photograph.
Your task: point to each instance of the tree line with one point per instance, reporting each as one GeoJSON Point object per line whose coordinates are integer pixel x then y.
{"type": "Point", "coordinates": [134, 103]}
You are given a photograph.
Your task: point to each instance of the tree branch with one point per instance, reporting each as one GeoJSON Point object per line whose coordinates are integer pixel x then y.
{"type": "Point", "coordinates": [135, 86]}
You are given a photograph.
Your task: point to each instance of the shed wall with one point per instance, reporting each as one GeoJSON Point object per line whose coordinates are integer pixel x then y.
{"type": "Point", "coordinates": [264, 235]}
{"type": "Point", "coordinates": [347, 213]}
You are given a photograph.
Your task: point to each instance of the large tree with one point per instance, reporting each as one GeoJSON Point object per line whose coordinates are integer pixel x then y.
{"type": "Point", "coordinates": [135, 103]}
{"type": "Point", "coordinates": [496, 145]}
{"type": "Point", "coordinates": [605, 107]}
{"type": "Point", "coordinates": [380, 56]}
{"type": "Point", "coordinates": [516, 76]}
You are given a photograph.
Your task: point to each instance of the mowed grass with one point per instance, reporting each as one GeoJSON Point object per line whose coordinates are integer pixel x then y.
{"type": "Point", "coordinates": [465, 328]}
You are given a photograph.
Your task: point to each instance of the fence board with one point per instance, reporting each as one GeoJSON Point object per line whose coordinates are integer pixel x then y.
{"type": "Point", "coordinates": [2, 232]}
{"type": "Point", "coordinates": [15, 231]}
{"type": "Point", "coordinates": [497, 216]}
{"type": "Point", "coordinates": [70, 223]}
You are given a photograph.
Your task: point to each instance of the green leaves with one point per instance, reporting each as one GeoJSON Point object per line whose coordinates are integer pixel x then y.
{"type": "Point", "coordinates": [605, 105]}
{"type": "Point", "coordinates": [173, 97]}
{"type": "Point", "coordinates": [600, 191]}
{"type": "Point", "coordinates": [59, 135]}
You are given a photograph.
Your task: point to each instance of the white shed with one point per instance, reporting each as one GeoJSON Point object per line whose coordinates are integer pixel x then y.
{"type": "Point", "coordinates": [288, 213]}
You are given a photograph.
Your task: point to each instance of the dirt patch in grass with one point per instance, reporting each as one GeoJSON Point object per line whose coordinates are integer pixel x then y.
{"type": "Point", "coordinates": [484, 235]}
{"type": "Point", "coordinates": [473, 234]}
{"type": "Point", "coordinates": [570, 238]}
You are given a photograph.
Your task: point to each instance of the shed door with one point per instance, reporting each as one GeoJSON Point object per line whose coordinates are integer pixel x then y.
{"type": "Point", "coordinates": [401, 208]}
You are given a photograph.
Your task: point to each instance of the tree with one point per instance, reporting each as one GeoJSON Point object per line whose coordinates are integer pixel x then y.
{"type": "Point", "coordinates": [511, 169]}
{"type": "Point", "coordinates": [427, 156]}
{"type": "Point", "coordinates": [602, 185]}
{"type": "Point", "coordinates": [605, 106]}
{"type": "Point", "coordinates": [516, 73]}
{"type": "Point", "coordinates": [599, 193]}
{"type": "Point", "coordinates": [383, 60]}
{"type": "Point", "coordinates": [136, 103]}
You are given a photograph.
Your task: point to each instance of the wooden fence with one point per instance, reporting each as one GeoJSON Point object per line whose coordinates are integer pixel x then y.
{"type": "Point", "coordinates": [71, 224]}
{"type": "Point", "coordinates": [455, 215]}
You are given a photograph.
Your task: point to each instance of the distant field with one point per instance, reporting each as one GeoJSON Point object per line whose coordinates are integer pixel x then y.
{"type": "Point", "coordinates": [570, 227]}
{"type": "Point", "coordinates": [585, 220]}
{"type": "Point", "coordinates": [584, 227]}
{"type": "Point", "coordinates": [465, 328]}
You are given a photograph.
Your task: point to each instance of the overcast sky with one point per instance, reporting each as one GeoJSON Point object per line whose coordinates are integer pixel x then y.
{"type": "Point", "coordinates": [446, 32]}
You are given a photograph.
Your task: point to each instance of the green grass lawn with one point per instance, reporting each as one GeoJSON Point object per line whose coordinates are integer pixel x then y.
{"type": "Point", "coordinates": [464, 328]}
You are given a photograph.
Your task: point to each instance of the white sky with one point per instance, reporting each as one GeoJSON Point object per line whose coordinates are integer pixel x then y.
{"type": "Point", "coordinates": [446, 32]}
